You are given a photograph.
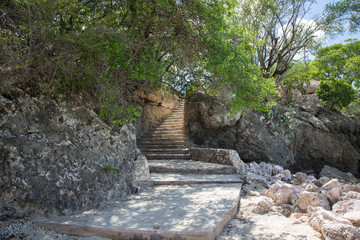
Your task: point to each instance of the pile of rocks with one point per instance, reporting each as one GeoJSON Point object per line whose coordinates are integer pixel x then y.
{"type": "Point", "coordinates": [331, 206]}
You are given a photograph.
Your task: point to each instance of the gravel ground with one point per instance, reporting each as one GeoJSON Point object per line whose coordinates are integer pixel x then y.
{"type": "Point", "coordinates": [270, 225]}
{"type": "Point", "coordinates": [26, 230]}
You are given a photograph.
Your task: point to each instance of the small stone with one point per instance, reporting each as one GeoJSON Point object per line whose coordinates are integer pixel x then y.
{"type": "Point", "coordinates": [318, 216]}
{"type": "Point", "coordinates": [351, 195]}
{"type": "Point", "coordinates": [299, 178]}
{"type": "Point", "coordinates": [280, 192]}
{"type": "Point", "coordinates": [313, 199]}
{"type": "Point", "coordinates": [332, 183]}
{"type": "Point", "coordinates": [322, 181]}
{"type": "Point", "coordinates": [349, 209]}
{"type": "Point", "coordinates": [332, 194]}
{"type": "Point", "coordinates": [332, 230]}
{"type": "Point", "coordinates": [354, 188]}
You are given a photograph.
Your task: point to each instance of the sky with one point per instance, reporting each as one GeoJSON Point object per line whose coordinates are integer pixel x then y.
{"type": "Point", "coordinates": [317, 9]}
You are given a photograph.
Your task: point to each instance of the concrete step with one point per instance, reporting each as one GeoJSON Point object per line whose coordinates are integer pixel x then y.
{"type": "Point", "coordinates": [165, 135]}
{"type": "Point", "coordinates": [189, 166]}
{"type": "Point", "coordinates": [198, 212]}
{"type": "Point", "coordinates": [166, 151]}
{"type": "Point", "coordinates": [162, 142]}
{"type": "Point", "coordinates": [156, 138]}
{"type": "Point", "coordinates": [144, 147]}
{"type": "Point", "coordinates": [187, 179]}
{"type": "Point", "coordinates": [174, 130]}
{"type": "Point", "coordinates": [170, 123]}
{"type": "Point", "coordinates": [165, 156]}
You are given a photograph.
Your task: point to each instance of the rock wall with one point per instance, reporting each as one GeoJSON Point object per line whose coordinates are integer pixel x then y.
{"type": "Point", "coordinates": [52, 157]}
{"type": "Point", "coordinates": [156, 106]}
{"type": "Point", "coordinates": [319, 137]}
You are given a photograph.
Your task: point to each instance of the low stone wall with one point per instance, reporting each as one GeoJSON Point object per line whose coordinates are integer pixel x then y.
{"type": "Point", "coordinates": [216, 155]}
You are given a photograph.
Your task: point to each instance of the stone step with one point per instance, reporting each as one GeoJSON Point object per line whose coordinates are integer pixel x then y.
{"type": "Point", "coordinates": [170, 123]}
{"type": "Point", "coordinates": [175, 130]}
{"type": "Point", "coordinates": [197, 212]}
{"type": "Point", "coordinates": [189, 166]}
{"type": "Point", "coordinates": [166, 136]}
{"type": "Point", "coordinates": [158, 146]}
{"type": "Point", "coordinates": [177, 117]}
{"type": "Point", "coordinates": [166, 151]}
{"type": "Point", "coordinates": [164, 156]}
{"type": "Point", "coordinates": [161, 142]}
{"type": "Point", "coordinates": [187, 179]}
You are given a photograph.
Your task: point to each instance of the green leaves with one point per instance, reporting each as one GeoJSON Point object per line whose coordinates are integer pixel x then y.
{"type": "Point", "coordinates": [344, 11]}
{"type": "Point", "coordinates": [100, 46]}
{"type": "Point", "coordinates": [337, 67]}
{"type": "Point", "coordinates": [336, 94]}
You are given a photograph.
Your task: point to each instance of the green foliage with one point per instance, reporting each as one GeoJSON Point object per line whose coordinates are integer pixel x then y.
{"type": "Point", "coordinates": [297, 77]}
{"type": "Point", "coordinates": [344, 11]}
{"type": "Point", "coordinates": [339, 61]}
{"type": "Point", "coordinates": [337, 67]}
{"type": "Point", "coordinates": [64, 46]}
{"type": "Point", "coordinates": [336, 93]}
{"type": "Point", "coordinates": [110, 168]}
{"type": "Point", "coordinates": [353, 109]}
{"type": "Point", "coordinates": [282, 120]}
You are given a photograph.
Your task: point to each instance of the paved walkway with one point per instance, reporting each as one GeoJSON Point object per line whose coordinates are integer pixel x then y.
{"type": "Point", "coordinates": [189, 199]}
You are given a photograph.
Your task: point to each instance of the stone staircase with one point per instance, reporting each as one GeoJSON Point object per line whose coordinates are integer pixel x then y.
{"type": "Point", "coordinates": [188, 199]}
{"type": "Point", "coordinates": [169, 158]}
{"type": "Point", "coordinates": [168, 140]}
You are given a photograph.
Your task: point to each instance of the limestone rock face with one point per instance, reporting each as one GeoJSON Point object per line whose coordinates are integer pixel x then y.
{"type": "Point", "coordinates": [326, 138]}
{"type": "Point", "coordinates": [320, 137]}
{"type": "Point", "coordinates": [257, 143]}
{"type": "Point", "coordinates": [54, 156]}
{"type": "Point", "coordinates": [156, 106]}
{"type": "Point", "coordinates": [335, 173]}
{"type": "Point", "coordinates": [217, 116]}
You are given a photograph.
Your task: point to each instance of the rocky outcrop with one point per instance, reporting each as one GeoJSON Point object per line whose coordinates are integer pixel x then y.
{"type": "Point", "coordinates": [326, 138]}
{"type": "Point", "coordinates": [331, 172]}
{"type": "Point", "coordinates": [303, 137]}
{"type": "Point", "coordinates": [59, 157]}
{"type": "Point", "coordinates": [156, 106]}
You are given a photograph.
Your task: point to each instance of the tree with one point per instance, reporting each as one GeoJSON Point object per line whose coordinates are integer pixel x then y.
{"type": "Point", "coordinates": [339, 61]}
{"type": "Point", "coordinates": [336, 94]}
{"type": "Point", "coordinates": [337, 67]}
{"type": "Point", "coordinates": [344, 11]}
{"type": "Point", "coordinates": [115, 47]}
{"type": "Point", "coordinates": [281, 32]}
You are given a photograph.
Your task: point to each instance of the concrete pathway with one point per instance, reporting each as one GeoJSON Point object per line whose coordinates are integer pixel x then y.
{"type": "Point", "coordinates": [188, 199]}
{"type": "Point", "coordinates": [171, 212]}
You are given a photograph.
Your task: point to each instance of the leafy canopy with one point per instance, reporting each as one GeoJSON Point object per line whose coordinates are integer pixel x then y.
{"type": "Point", "coordinates": [114, 47]}
{"type": "Point", "coordinates": [338, 69]}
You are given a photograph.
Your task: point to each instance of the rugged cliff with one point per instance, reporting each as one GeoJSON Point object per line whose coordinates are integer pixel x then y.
{"type": "Point", "coordinates": [304, 136]}
{"type": "Point", "coordinates": [57, 157]}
